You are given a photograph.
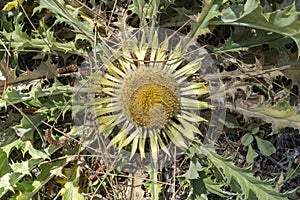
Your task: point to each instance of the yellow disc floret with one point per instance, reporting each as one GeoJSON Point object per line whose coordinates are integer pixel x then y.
{"type": "Point", "coordinates": [152, 105]}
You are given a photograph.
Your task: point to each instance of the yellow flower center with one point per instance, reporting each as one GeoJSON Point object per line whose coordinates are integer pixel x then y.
{"type": "Point", "coordinates": [152, 105]}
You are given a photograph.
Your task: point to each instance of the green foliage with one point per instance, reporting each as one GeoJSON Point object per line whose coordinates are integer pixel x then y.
{"type": "Point", "coordinates": [209, 172]}
{"type": "Point", "coordinates": [199, 177]}
{"type": "Point", "coordinates": [247, 183]}
{"type": "Point", "coordinates": [34, 41]}
{"type": "Point", "coordinates": [264, 146]}
{"type": "Point", "coordinates": [14, 172]}
{"type": "Point", "coordinates": [257, 39]}
{"type": "Point", "coordinates": [250, 14]}
{"type": "Point", "coordinates": [49, 103]}
{"type": "Point", "coordinates": [149, 9]}
{"type": "Point", "coordinates": [209, 12]}
{"type": "Point", "coordinates": [70, 182]}
{"type": "Point", "coordinates": [66, 14]}
{"type": "Point", "coordinates": [36, 96]}
{"type": "Point", "coordinates": [70, 192]}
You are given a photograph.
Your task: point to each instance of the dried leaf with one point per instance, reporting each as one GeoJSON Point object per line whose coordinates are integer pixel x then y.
{"type": "Point", "coordinates": [278, 118]}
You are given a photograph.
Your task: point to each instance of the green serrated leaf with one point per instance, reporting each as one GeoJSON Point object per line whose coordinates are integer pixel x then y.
{"type": "Point", "coordinates": [25, 167]}
{"type": "Point", "coordinates": [148, 10]}
{"type": "Point", "coordinates": [28, 188]}
{"type": "Point", "coordinates": [238, 11]}
{"type": "Point", "coordinates": [243, 177]}
{"type": "Point", "coordinates": [265, 147]}
{"type": "Point", "coordinates": [259, 38]}
{"type": "Point", "coordinates": [270, 22]}
{"type": "Point", "coordinates": [24, 147]}
{"type": "Point", "coordinates": [8, 148]}
{"type": "Point", "coordinates": [65, 14]}
{"type": "Point", "coordinates": [15, 172]}
{"type": "Point", "coordinates": [5, 184]}
{"type": "Point", "coordinates": [210, 11]}
{"type": "Point", "coordinates": [70, 190]}
{"type": "Point", "coordinates": [14, 96]}
{"type": "Point", "coordinates": [35, 154]}
{"type": "Point", "coordinates": [216, 188]}
{"type": "Point", "coordinates": [21, 40]}
{"type": "Point", "coordinates": [28, 124]}
{"type": "Point", "coordinates": [284, 17]}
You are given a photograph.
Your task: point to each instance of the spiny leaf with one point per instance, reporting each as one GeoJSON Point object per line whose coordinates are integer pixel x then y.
{"type": "Point", "coordinates": [258, 39]}
{"type": "Point", "coordinates": [28, 188]}
{"type": "Point", "coordinates": [209, 11]}
{"type": "Point", "coordinates": [148, 9]}
{"type": "Point", "coordinates": [267, 113]}
{"type": "Point", "coordinates": [194, 168]}
{"type": "Point", "coordinates": [6, 73]}
{"type": "Point", "coordinates": [216, 188]}
{"type": "Point", "coordinates": [45, 69]}
{"type": "Point", "coordinates": [244, 177]}
{"type": "Point", "coordinates": [24, 167]}
{"type": "Point", "coordinates": [285, 22]}
{"type": "Point", "coordinates": [13, 173]}
{"type": "Point", "coordinates": [63, 14]}
{"type": "Point", "coordinates": [21, 40]}
{"type": "Point", "coordinates": [14, 96]}
{"type": "Point", "coordinates": [26, 125]}
{"type": "Point", "coordinates": [238, 11]}
{"type": "Point", "coordinates": [6, 182]}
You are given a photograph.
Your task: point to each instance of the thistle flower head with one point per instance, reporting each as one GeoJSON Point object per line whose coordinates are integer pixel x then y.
{"type": "Point", "coordinates": [147, 95]}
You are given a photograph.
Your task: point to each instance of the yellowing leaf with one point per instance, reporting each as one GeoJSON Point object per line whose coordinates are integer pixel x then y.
{"type": "Point", "coordinates": [70, 192]}
{"type": "Point", "coordinates": [267, 113]}
{"type": "Point", "coordinates": [13, 4]}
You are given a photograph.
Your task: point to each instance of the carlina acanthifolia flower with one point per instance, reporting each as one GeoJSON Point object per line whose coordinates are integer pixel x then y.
{"type": "Point", "coordinates": [147, 97]}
